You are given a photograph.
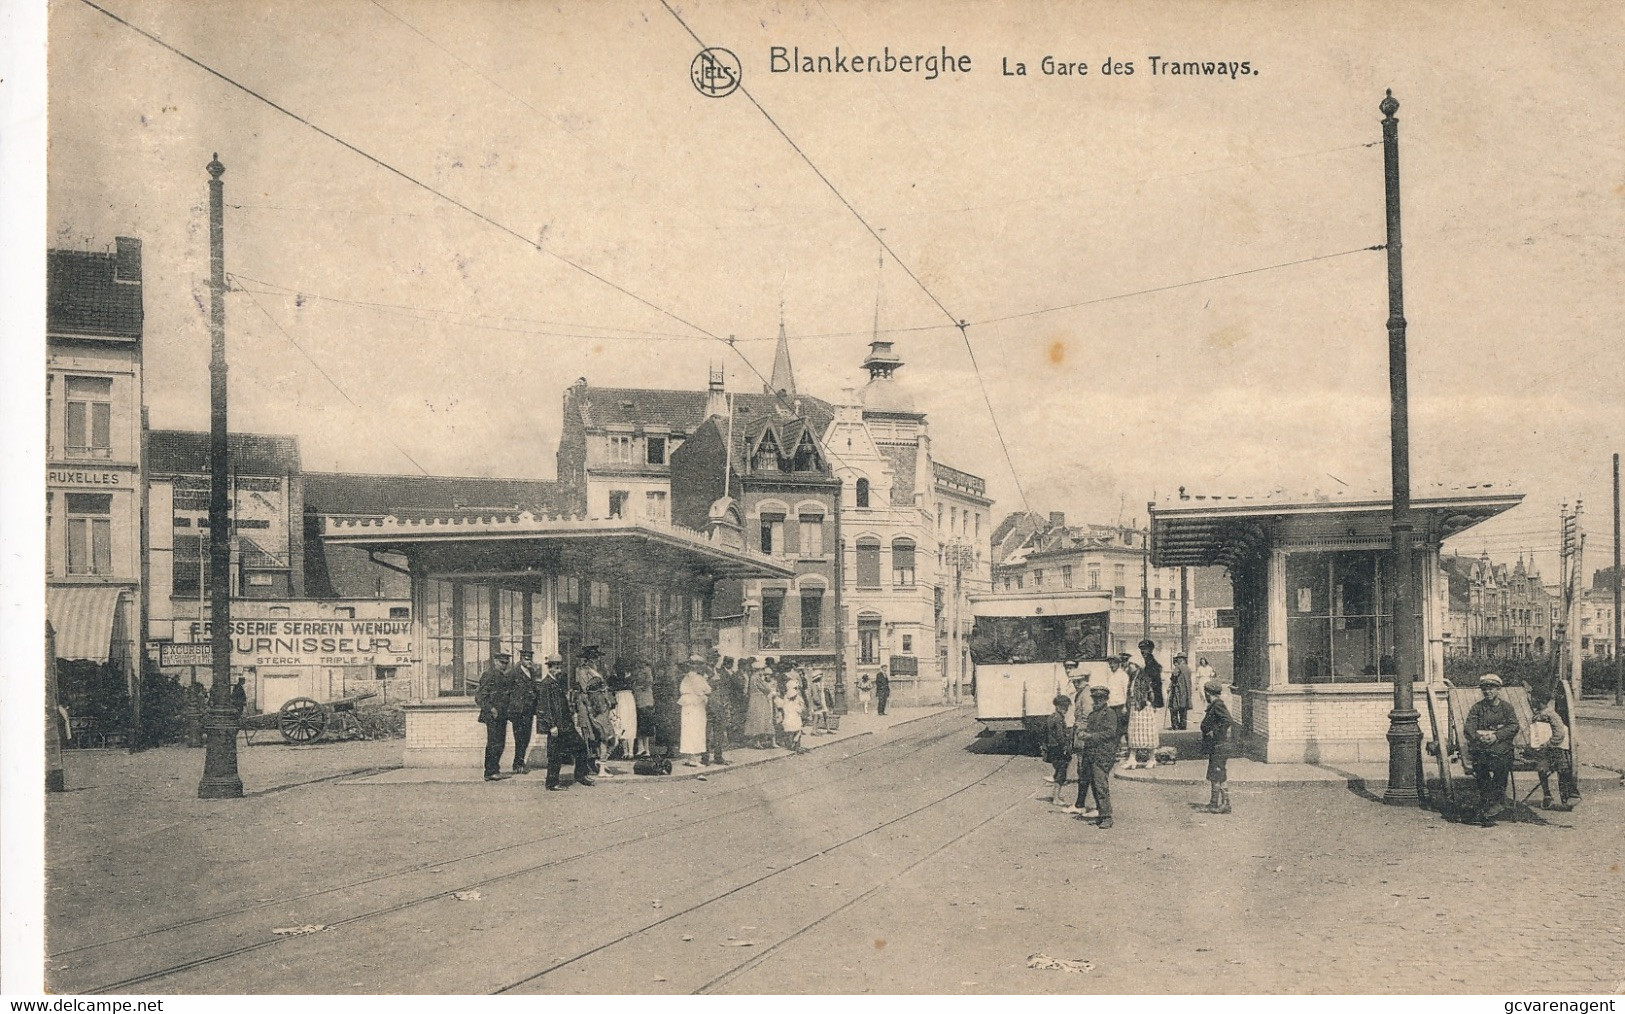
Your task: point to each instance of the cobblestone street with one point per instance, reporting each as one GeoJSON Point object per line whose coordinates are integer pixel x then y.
{"type": "Point", "coordinates": [917, 859]}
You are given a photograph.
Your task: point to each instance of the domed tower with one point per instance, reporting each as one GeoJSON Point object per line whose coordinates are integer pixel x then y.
{"type": "Point", "coordinates": [884, 396]}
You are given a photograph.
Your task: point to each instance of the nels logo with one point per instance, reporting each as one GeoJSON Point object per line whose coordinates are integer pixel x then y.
{"type": "Point", "coordinates": [715, 72]}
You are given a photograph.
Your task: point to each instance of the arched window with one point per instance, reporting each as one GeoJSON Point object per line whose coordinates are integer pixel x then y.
{"type": "Point", "coordinates": [869, 563]}
{"type": "Point", "coordinates": [902, 563]}
{"type": "Point", "coordinates": [863, 492]}
{"type": "Point", "coordinates": [869, 638]}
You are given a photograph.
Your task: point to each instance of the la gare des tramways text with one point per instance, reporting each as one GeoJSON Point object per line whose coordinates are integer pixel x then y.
{"type": "Point", "coordinates": [791, 60]}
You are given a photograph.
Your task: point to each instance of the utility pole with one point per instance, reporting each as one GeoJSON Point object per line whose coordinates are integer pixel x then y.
{"type": "Point", "coordinates": [1619, 655]}
{"type": "Point", "coordinates": [1185, 613]}
{"type": "Point", "coordinates": [1145, 585]}
{"type": "Point", "coordinates": [1404, 732]}
{"type": "Point", "coordinates": [220, 778]}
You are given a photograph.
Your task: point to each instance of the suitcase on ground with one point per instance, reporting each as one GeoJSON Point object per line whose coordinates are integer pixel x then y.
{"type": "Point", "coordinates": [652, 766]}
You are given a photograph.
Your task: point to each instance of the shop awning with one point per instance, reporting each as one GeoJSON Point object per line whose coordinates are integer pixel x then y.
{"type": "Point", "coordinates": [83, 617]}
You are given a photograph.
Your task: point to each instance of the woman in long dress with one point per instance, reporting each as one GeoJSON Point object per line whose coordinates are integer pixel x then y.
{"type": "Point", "coordinates": [759, 708]}
{"type": "Point", "coordinates": [626, 713]}
{"type": "Point", "coordinates": [691, 695]}
{"type": "Point", "coordinates": [643, 702]}
{"type": "Point", "coordinates": [866, 687]}
{"type": "Point", "coordinates": [1144, 727]}
{"type": "Point", "coordinates": [789, 707]}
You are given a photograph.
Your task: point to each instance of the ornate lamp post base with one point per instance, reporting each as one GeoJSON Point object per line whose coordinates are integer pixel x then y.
{"type": "Point", "coordinates": [220, 778]}
{"type": "Point", "coordinates": [1404, 758]}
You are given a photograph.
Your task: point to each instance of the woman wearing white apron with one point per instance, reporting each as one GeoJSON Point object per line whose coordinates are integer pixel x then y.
{"type": "Point", "coordinates": [691, 695]}
{"type": "Point", "coordinates": [626, 713]}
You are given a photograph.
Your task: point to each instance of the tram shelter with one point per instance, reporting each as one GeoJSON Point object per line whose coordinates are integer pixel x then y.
{"type": "Point", "coordinates": [510, 582]}
{"type": "Point", "coordinates": [1313, 624]}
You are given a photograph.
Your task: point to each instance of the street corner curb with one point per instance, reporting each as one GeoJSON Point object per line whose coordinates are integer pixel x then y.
{"type": "Point", "coordinates": [689, 774]}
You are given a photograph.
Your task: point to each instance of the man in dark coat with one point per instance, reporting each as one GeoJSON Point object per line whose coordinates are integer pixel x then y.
{"type": "Point", "coordinates": [882, 690]}
{"type": "Point", "coordinates": [522, 707]}
{"type": "Point", "coordinates": [1179, 692]}
{"type": "Point", "coordinates": [492, 696]}
{"type": "Point", "coordinates": [1491, 726]}
{"type": "Point", "coordinates": [719, 712]}
{"type": "Point", "coordinates": [1152, 671]}
{"type": "Point", "coordinates": [1095, 741]}
{"type": "Point", "coordinates": [555, 715]}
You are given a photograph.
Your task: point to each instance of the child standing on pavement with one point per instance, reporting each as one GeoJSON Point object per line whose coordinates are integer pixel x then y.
{"type": "Point", "coordinates": [1217, 726]}
{"type": "Point", "coordinates": [1057, 743]}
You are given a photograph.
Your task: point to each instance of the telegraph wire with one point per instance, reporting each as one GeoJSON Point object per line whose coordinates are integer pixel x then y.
{"type": "Point", "coordinates": [960, 323]}
{"type": "Point", "coordinates": [482, 216]}
{"type": "Point", "coordinates": [766, 383]}
{"type": "Point", "coordinates": [325, 375]}
{"type": "Point", "coordinates": [1181, 285]}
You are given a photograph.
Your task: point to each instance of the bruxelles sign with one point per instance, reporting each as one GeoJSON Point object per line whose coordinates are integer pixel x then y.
{"type": "Point", "coordinates": [305, 642]}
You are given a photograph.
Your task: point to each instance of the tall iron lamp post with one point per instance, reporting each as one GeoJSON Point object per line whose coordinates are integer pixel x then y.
{"type": "Point", "coordinates": [1404, 734]}
{"type": "Point", "coordinates": [220, 778]}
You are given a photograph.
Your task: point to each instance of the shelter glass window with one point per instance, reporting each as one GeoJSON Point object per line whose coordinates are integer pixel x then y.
{"type": "Point", "coordinates": [1340, 624]}
{"type": "Point", "coordinates": [90, 533]}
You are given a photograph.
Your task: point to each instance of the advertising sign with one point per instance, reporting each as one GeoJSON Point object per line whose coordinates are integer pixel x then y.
{"type": "Point", "coordinates": [287, 641]}
{"type": "Point", "coordinates": [171, 654]}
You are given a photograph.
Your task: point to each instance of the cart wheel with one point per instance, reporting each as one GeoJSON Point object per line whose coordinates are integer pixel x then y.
{"type": "Point", "coordinates": [302, 720]}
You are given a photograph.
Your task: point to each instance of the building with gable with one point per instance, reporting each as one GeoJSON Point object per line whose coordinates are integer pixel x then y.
{"type": "Point", "coordinates": [94, 478]}
{"type": "Point", "coordinates": [1494, 610]}
{"type": "Point", "coordinates": [899, 576]}
{"type": "Point", "coordinates": [780, 497]}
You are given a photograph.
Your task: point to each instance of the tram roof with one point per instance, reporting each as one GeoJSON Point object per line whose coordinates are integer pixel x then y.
{"type": "Point", "coordinates": [1075, 603]}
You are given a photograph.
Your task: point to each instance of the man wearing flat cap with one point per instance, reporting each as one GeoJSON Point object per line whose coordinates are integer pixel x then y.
{"type": "Point", "coordinates": [1491, 726]}
{"type": "Point", "coordinates": [1094, 739]}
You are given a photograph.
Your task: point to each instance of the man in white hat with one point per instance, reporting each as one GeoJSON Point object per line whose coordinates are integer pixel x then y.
{"type": "Point", "coordinates": [1491, 726]}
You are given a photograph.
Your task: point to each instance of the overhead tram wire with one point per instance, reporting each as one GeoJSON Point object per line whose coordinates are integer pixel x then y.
{"type": "Point", "coordinates": [766, 383]}
{"type": "Point", "coordinates": [325, 375]}
{"type": "Point", "coordinates": [958, 322]}
{"type": "Point", "coordinates": [388, 167]}
{"type": "Point", "coordinates": [1181, 285]}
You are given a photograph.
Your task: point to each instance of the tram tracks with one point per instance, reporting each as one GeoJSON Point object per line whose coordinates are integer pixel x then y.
{"type": "Point", "coordinates": [931, 732]}
{"type": "Point", "coordinates": [765, 878]}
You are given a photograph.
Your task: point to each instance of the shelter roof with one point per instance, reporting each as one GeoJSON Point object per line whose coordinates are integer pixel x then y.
{"type": "Point", "coordinates": [1198, 531]}
{"type": "Point", "coordinates": [514, 545]}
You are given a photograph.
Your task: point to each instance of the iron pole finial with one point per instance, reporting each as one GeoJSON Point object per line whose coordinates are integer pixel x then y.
{"type": "Point", "coordinates": [1389, 105]}
{"type": "Point", "coordinates": [214, 166]}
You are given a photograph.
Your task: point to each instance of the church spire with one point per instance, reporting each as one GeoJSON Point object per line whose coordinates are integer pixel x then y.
{"type": "Point", "coordinates": [784, 378]}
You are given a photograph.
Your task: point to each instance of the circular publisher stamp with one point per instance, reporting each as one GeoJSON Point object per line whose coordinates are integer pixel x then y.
{"type": "Point", "coordinates": [715, 72]}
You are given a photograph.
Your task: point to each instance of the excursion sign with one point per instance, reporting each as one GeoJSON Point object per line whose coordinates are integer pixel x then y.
{"type": "Point", "coordinates": [294, 642]}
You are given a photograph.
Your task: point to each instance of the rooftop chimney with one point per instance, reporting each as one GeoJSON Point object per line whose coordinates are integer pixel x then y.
{"type": "Point", "coordinates": [716, 397]}
{"type": "Point", "coordinates": [1057, 519]}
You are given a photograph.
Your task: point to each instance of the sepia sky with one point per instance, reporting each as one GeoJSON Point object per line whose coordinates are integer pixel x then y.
{"type": "Point", "coordinates": [576, 126]}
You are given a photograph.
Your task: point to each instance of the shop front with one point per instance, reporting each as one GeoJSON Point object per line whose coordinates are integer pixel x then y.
{"type": "Point", "coordinates": [486, 583]}
{"type": "Point", "coordinates": [1314, 626]}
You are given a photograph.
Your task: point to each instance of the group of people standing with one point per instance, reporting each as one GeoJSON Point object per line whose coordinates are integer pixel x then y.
{"type": "Point", "coordinates": [694, 711]}
{"type": "Point", "coordinates": [1123, 721]}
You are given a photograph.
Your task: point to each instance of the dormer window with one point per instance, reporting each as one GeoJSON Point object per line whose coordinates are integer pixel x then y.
{"type": "Point", "coordinates": [767, 454]}
{"type": "Point", "coordinates": [806, 459]}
